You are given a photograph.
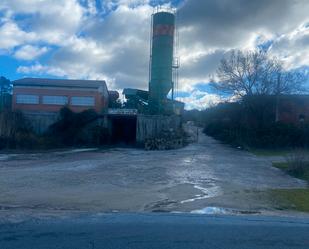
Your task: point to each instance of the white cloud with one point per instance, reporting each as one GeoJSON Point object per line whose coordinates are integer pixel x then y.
{"type": "Point", "coordinates": [53, 21]}
{"type": "Point", "coordinates": [11, 36]}
{"type": "Point", "coordinates": [111, 4]}
{"type": "Point", "coordinates": [29, 52]}
{"type": "Point", "coordinates": [293, 48]}
{"type": "Point", "coordinates": [76, 71]}
{"type": "Point", "coordinates": [39, 69]}
{"type": "Point", "coordinates": [91, 7]}
{"type": "Point", "coordinates": [117, 47]}
{"type": "Point", "coordinates": [200, 100]}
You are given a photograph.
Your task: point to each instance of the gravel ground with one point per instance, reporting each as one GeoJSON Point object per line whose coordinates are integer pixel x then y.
{"type": "Point", "coordinates": [202, 175]}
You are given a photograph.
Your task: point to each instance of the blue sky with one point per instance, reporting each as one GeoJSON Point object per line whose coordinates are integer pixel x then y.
{"type": "Point", "coordinates": [109, 39]}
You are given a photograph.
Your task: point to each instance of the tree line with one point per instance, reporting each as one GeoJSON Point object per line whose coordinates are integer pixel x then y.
{"type": "Point", "coordinates": [255, 84]}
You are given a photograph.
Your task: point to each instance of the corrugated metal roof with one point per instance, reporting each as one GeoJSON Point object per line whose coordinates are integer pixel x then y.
{"type": "Point", "coordinates": [60, 83]}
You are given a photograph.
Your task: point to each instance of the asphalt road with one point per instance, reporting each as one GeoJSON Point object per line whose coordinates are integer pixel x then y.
{"type": "Point", "coordinates": [150, 231]}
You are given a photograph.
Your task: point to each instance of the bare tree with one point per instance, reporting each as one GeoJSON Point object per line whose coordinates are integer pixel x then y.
{"type": "Point", "coordinates": [256, 73]}
{"type": "Point", "coordinates": [245, 73]}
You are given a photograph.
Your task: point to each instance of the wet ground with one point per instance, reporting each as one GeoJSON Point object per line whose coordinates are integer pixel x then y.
{"type": "Point", "coordinates": [204, 177]}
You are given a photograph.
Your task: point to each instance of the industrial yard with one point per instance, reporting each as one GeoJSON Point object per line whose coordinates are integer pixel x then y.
{"type": "Point", "coordinates": [205, 174]}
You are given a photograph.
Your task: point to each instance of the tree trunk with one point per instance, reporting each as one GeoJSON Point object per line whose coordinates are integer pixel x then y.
{"type": "Point", "coordinates": [277, 108]}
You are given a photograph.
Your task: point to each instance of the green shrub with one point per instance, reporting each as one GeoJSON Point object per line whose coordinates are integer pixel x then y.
{"type": "Point", "coordinates": [77, 129]}
{"type": "Point", "coordinates": [256, 134]}
{"type": "Point", "coordinates": [15, 131]}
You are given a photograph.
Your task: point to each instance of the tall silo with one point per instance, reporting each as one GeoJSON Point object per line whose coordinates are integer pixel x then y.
{"type": "Point", "coordinates": [161, 61]}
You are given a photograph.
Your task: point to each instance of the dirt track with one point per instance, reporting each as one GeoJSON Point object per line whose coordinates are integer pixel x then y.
{"type": "Point", "coordinates": [204, 174]}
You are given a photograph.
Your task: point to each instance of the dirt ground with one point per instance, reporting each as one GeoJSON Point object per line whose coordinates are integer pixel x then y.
{"type": "Point", "coordinates": [205, 175]}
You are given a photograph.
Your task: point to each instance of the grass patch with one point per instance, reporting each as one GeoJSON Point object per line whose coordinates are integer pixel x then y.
{"type": "Point", "coordinates": [284, 153]}
{"type": "Point", "coordinates": [270, 152]}
{"type": "Point", "coordinates": [293, 199]}
{"type": "Point", "coordinates": [282, 166]}
{"type": "Point", "coordinates": [285, 167]}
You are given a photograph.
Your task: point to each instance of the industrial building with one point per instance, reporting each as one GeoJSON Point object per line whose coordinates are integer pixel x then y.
{"type": "Point", "coordinates": [293, 109]}
{"type": "Point", "coordinates": [40, 100]}
{"type": "Point", "coordinates": [50, 95]}
{"type": "Point", "coordinates": [145, 114]}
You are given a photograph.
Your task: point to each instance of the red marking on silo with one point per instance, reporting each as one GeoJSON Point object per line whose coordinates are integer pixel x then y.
{"type": "Point", "coordinates": [163, 29]}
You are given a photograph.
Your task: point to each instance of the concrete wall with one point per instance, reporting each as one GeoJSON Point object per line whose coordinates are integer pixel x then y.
{"type": "Point", "coordinates": [147, 126]}
{"type": "Point", "coordinates": [151, 126]}
{"type": "Point", "coordinates": [40, 121]}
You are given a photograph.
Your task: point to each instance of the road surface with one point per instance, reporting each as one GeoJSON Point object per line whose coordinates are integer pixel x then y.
{"type": "Point", "coordinates": [156, 231]}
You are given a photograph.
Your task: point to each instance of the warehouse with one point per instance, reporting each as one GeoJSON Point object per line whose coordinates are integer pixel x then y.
{"type": "Point", "coordinates": [40, 100]}
{"type": "Point", "coordinates": [50, 95]}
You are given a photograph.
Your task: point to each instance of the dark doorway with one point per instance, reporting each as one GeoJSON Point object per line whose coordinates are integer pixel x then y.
{"type": "Point", "coordinates": [123, 129]}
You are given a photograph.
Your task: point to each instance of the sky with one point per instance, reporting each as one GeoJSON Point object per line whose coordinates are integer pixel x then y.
{"type": "Point", "coordinates": [109, 39]}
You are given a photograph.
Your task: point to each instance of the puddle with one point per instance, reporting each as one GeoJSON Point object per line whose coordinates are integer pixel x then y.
{"type": "Point", "coordinates": [208, 192]}
{"type": "Point", "coordinates": [219, 210]}
{"type": "Point", "coordinates": [4, 157]}
{"type": "Point", "coordinates": [76, 151]}
{"type": "Point", "coordinates": [212, 210]}
{"type": "Point", "coordinates": [189, 160]}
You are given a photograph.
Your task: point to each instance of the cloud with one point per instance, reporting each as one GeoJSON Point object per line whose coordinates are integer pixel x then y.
{"type": "Point", "coordinates": [40, 69]}
{"type": "Point", "coordinates": [230, 24]}
{"type": "Point", "coordinates": [29, 52]}
{"type": "Point", "coordinates": [116, 47]}
{"type": "Point", "coordinates": [53, 21]}
{"type": "Point", "coordinates": [91, 7]}
{"type": "Point", "coordinates": [109, 5]}
{"type": "Point", "coordinates": [202, 66]}
{"type": "Point", "coordinates": [11, 36]}
{"type": "Point", "coordinates": [200, 100]}
{"type": "Point", "coordinates": [293, 48]}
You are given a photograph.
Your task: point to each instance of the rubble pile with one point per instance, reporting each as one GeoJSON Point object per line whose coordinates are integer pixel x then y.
{"type": "Point", "coordinates": [167, 140]}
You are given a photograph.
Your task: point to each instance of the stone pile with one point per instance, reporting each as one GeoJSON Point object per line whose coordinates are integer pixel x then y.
{"type": "Point", "coordinates": [168, 140]}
